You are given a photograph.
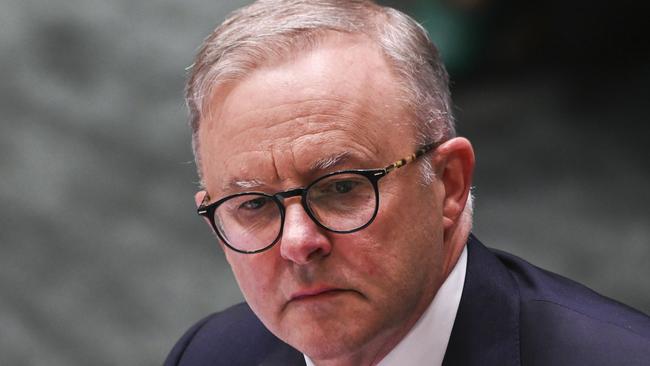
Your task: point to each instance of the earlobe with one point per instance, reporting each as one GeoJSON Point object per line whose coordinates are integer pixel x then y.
{"type": "Point", "coordinates": [456, 170]}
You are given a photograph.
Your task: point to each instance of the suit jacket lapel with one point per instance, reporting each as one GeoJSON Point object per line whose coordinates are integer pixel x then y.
{"type": "Point", "coordinates": [486, 329]}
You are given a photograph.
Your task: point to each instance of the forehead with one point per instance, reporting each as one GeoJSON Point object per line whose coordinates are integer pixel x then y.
{"type": "Point", "coordinates": [339, 99]}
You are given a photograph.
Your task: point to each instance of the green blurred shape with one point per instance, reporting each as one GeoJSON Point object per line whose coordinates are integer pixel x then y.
{"type": "Point", "coordinates": [454, 30]}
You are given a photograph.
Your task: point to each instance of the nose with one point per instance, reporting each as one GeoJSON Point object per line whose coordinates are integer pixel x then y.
{"type": "Point", "coordinates": [303, 241]}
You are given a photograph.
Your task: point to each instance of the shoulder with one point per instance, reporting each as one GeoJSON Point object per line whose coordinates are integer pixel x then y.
{"type": "Point", "coordinates": [563, 322]}
{"type": "Point", "coordinates": [234, 336]}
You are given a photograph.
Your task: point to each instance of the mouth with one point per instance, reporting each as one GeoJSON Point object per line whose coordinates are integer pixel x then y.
{"type": "Point", "coordinates": [316, 294]}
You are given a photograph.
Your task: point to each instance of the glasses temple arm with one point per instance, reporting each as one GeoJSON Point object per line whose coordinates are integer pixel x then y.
{"type": "Point", "coordinates": [421, 151]}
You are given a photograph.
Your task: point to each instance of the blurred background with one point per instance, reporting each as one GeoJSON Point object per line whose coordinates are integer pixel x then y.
{"type": "Point", "coordinates": [102, 258]}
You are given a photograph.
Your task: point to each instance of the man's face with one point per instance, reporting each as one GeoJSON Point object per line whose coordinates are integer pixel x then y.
{"type": "Point", "coordinates": [327, 294]}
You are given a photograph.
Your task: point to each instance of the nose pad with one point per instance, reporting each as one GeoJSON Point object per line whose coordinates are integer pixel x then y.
{"type": "Point", "coordinates": [302, 239]}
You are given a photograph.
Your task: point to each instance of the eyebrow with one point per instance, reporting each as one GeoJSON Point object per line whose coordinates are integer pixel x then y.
{"type": "Point", "coordinates": [245, 183]}
{"type": "Point", "coordinates": [324, 163]}
{"type": "Point", "coordinates": [331, 161]}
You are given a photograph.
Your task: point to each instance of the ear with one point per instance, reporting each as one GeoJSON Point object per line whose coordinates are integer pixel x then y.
{"type": "Point", "coordinates": [455, 162]}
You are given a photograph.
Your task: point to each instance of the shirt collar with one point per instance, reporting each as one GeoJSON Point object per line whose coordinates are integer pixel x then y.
{"type": "Point", "coordinates": [426, 343]}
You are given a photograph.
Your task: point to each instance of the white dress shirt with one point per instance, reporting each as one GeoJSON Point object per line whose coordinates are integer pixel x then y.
{"type": "Point", "coordinates": [426, 343]}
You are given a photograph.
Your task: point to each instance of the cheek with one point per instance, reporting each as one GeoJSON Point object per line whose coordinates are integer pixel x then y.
{"type": "Point", "coordinates": [373, 259]}
{"type": "Point", "coordinates": [254, 275]}
{"type": "Point", "coordinates": [405, 235]}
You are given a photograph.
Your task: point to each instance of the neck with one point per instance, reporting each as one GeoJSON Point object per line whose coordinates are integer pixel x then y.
{"type": "Point", "coordinates": [455, 240]}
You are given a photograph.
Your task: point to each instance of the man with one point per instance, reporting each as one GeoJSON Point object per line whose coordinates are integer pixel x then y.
{"type": "Point", "coordinates": [333, 179]}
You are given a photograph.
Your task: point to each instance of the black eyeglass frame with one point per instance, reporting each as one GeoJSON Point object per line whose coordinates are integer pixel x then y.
{"type": "Point", "coordinates": [373, 175]}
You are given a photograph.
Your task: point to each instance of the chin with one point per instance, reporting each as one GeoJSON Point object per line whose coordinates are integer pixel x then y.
{"type": "Point", "coordinates": [327, 338]}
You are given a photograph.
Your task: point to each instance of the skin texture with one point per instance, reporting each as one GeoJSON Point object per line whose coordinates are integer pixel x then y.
{"type": "Point", "coordinates": [340, 298]}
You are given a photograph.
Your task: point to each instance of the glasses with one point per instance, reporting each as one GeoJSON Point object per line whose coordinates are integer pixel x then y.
{"type": "Point", "coordinates": [341, 202]}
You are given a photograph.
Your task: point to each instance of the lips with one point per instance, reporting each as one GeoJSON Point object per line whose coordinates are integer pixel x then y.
{"type": "Point", "coordinates": [315, 293]}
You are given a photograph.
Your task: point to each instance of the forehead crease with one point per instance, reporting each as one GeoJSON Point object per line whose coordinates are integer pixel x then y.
{"type": "Point", "coordinates": [311, 115]}
{"type": "Point", "coordinates": [305, 97]}
{"type": "Point", "coordinates": [243, 170]}
{"type": "Point", "coordinates": [294, 129]}
{"type": "Point", "coordinates": [337, 145]}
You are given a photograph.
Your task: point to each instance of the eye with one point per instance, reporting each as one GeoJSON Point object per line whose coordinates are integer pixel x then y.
{"type": "Point", "coordinates": [338, 187]}
{"type": "Point", "coordinates": [344, 186]}
{"type": "Point", "coordinates": [254, 204]}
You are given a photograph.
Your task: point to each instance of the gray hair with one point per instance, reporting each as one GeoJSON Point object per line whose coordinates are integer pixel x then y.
{"type": "Point", "coordinates": [269, 30]}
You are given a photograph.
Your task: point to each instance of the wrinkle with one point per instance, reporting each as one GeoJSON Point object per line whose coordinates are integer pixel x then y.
{"type": "Point", "coordinates": [329, 107]}
{"type": "Point", "coordinates": [275, 166]}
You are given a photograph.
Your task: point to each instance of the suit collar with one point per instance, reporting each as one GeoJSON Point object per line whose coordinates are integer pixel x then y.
{"type": "Point", "coordinates": [486, 329]}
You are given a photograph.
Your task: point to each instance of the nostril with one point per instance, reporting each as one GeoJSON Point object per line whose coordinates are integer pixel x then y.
{"type": "Point", "coordinates": [320, 253]}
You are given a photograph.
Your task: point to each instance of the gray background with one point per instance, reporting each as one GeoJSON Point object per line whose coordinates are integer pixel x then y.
{"type": "Point", "coordinates": [102, 259]}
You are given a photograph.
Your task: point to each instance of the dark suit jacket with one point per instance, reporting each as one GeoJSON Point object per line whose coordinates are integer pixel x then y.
{"type": "Point", "coordinates": [510, 313]}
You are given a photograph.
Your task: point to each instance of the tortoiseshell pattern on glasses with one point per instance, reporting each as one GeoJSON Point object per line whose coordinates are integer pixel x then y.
{"type": "Point", "coordinates": [421, 151]}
